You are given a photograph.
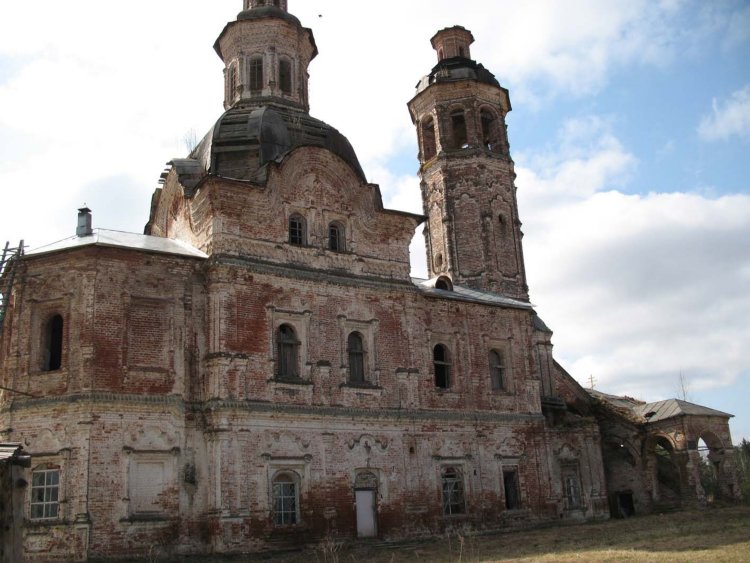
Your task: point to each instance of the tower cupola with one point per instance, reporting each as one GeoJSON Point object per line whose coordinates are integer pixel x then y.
{"type": "Point", "coordinates": [453, 42]}
{"type": "Point", "coordinates": [266, 53]}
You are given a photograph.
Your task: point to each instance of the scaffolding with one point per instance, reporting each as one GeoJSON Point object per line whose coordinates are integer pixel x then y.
{"type": "Point", "coordinates": [8, 266]}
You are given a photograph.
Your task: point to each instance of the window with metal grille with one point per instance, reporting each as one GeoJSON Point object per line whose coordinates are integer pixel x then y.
{"type": "Point", "coordinates": [256, 74]}
{"type": "Point", "coordinates": [453, 491]}
{"type": "Point", "coordinates": [356, 358]}
{"type": "Point", "coordinates": [442, 366]}
{"type": "Point", "coordinates": [297, 230]}
{"type": "Point", "coordinates": [288, 346]}
{"type": "Point", "coordinates": [45, 494]}
{"type": "Point", "coordinates": [285, 76]}
{"type": "Point", "coordinates": [285, 500]}
{"type": "Point", "coordinates": [497, 370]}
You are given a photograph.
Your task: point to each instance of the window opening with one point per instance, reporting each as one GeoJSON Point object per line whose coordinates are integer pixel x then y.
{"type": "Point", "coordinates": [444, 284]}
{"type": "Point", "coordinates": [497, 370]}
{"type": "Point", "coordinates": [297, 230]}
{"type": "Point", "coordinates": [491, 138]}
{"type": "Point", "coordinates": [356, 358]}
{"type": "Point", "coordinates": [53, 344]}
{"type": "Point", "coordinates": [512, 491]}
{"type": "Point", "coordinates": [45, 494]}
{"type": "Point", "coordinates": [336, 240]}
{"type": "Point", "coordinates": [285, 500]}
{"type": "Point", "coordinates": [288, 346]}
{"type": "Point", "coordinates": [429, 146]}
{"type": "Point", "coordinates": [256, 74]}
{"type": "Point", "coordinates": [285, 75]}
{"type": "Point", "coordinates": [458, 123]}
{"type": "Point", "coordinates": [572, 487]}
{"type": "Point", "coordinates": [453, 491]}
{"type": "Point", "coordinates": [442, 367]}
{"type": "Point", "coordinates": [232, 82]}
{"type": "Point", "coordinates": [461, 52]}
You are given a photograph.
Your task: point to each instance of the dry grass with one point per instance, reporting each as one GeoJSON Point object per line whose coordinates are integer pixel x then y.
{"type": "Point", "coordinates": [708, 535]}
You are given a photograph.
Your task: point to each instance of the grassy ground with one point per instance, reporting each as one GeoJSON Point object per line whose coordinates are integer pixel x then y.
{"type": "Point", "coordinates": [717, 534]}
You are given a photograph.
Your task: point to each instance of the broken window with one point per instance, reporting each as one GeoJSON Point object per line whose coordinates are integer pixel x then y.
{"type": "Point", "coordinates": [285, 500]}
{"type": "Point", "coordinates": [441, 362]}
{"type": "Point", "coordinates": [453, 491]}
{"type": "Point", "coordinates": [45, 494]}
{"type": "Point", "coordinates": [336, 239]}
{"type": "Point", "coordinates": [512, 489]}
{"type": "Point", "coordinates": [53, 344]}
{"type": "Point", "coordinates": [491, 131]}
{"type": "Point", "coordinates": [497, 370]}
{"type": "Point", "coordinates": [571, 488]}
{"type": "Point", "coordinates": [285, 76]}
{"type": "Point", "coordinates": [256, 74]}
{"type": "Point", "coordinates": [458, 124]}
{"type": "Point", "coordinates": [288, 358]}
{"type": "Point", "coordinates": [429, 146]}
{"type": "Point", "coordinates": [297, 230]}
{"type": "Point", "coordinates": [356, 352]}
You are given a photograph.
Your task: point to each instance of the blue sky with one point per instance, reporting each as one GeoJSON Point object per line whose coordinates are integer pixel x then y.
{"type": "Point", "coordinates": [630, 132]}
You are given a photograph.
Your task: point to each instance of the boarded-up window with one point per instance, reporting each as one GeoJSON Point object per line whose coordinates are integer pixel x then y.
{"type": "Point", "coordinates": [497, 370]}
{"type": "Point", "coordinates": [442, 367]}
{"type": "Point", "coordinates": [285, 76]}
{"type": "Point", "coordinates": [147, 484]}
{"type": "Point", "coordinates": [356, 358]}
{"type": "Point", "coordinates": [148, 334]}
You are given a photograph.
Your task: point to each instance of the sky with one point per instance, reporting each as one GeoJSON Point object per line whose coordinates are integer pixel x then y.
{"type": "Point", "coordinates": [630, 131]}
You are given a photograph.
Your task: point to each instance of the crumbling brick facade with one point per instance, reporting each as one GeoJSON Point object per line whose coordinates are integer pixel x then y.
{"type": "Point", "coordinates": [259, 370]}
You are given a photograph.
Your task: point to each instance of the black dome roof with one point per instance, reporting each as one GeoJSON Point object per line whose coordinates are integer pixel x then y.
{"type": "Point", "coordinates": [457, 68]}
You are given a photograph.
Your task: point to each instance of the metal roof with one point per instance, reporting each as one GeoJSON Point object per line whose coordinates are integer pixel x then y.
{"type": "Point", "coordinates": [11, 451]}
{"type": "Point", "coordinates": [662, 410]}
{"type": "Point", "coordinates": [120, 239]}
{"type": "Point", "coordinates": [461, 293]}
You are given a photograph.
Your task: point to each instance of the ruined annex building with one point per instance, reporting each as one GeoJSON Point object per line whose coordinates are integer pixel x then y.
{"type": "Point", "coordinates": [259, 370]}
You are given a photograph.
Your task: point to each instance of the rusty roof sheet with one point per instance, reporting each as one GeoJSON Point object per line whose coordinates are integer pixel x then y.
{"type": "Point", "coordinates": [466, 294]}
{"type": "Point", "coordinates": [662, 410]}
{"type": "Point", "coordinates": [8, 451]}
{"type": "Point", "coordinates": [120, 239]}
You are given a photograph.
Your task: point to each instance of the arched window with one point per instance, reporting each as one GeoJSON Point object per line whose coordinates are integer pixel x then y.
{"type": "Point", "coordinates": [356, 351]}
{"type": "Point", "coordinates": [53, 344]}
{"type": "Point", "coordinates": [458, 125]}
{"type": "Point", "coordinates": [336, 237]}
{"type": "Point", "coordinates": [256, 74]}
{"type": "Point", "coordinates": [285, 75]}
{"type": "Point", "coordinates": [429, 147]}
{"type": "Point", "coordinates": [232, 82]}
{"type": "Point", "coordinates": [287, 361]}
{"type": "Point", "coordinates": [462, 52]}
{"type": "Point", "coordinates": [285, 499]}
{"type": "Point", "coordinates": [441, 363]}
{"type": "Point", "coordinates": [444, 284]}
{"type": "Point", "coordinates": [497, 370]}
{"type": "Point", "coordinates": [491, 131]}
{"type": "Point", "coordinates": [453, 491]}
{"type": "Point", "coordinates": [297, 230]}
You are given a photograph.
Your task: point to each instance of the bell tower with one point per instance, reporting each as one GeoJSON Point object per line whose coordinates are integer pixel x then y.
{"type": "Point", "coordinates": [473, 233]}
{"type": "Point", "coordinates": [266, 53]}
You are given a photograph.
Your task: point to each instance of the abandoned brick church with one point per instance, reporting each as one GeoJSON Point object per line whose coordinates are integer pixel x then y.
{"type": "Point", "coordinates": [259, 370]}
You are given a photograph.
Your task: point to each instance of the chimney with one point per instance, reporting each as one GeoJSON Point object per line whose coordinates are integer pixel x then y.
{"type": "Point", "coordinates": [84, 223]}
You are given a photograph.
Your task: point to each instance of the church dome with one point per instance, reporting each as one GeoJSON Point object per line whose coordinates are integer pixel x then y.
{"type": "Point", "coordinates": [246, 138]}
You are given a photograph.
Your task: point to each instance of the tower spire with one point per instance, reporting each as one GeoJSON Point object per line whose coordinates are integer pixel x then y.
{"type": "Point", "coordinates": [473, 234]}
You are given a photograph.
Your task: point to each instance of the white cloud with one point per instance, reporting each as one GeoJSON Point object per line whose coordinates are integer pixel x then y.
{"type": "Point", "coordinates": [638, 288]}
{"type": "Point", "coordinates": [728, 119]}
